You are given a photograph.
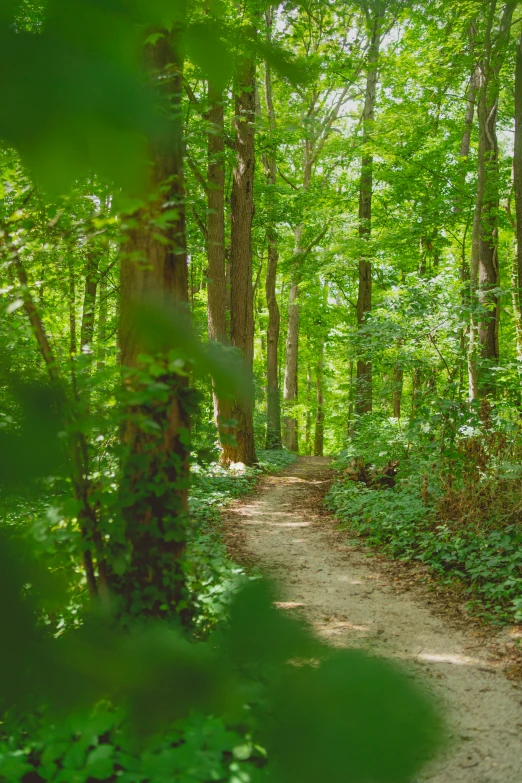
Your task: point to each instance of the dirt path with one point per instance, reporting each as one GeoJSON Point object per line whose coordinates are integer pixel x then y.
{"type": "Point", "coordinates": [341, 592]}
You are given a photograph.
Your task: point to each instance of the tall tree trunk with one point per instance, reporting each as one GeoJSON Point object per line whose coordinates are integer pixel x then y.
{"type": "Point", "coordinates": [154, 273]}
{"type": "Point", "coordinates": [466, 332]}
{"type": "Point", "coordinates": [516, 271]}
{"type": "Point", "coordinates": [273, 405]}
{"type": "Point", "coordinates": [308, 420]}
{"type": "Point", "coordinates": [290, 392]}
{"type": "Point", "coordinates": [102, 324]}
{"type": "Point", "coordinates": [398, 375]}
{"type": "Point", "coordinates": [72, 308]}
{"type": "Point", "coordinates": [363, 403]}
{"type": "Point", "coordinates": [89, 303]}
{"type": "Point", "coordinates": [291, 434]}
{"type": "Point", "coordinates": [517, 166]}
{"type": "Point", "coordinates": [217, 289]}
{"type": "Point", "coordinates": [473, 88]}
{"type": "Point", "coordinates": [273, 408]}
{"type": "Point", "coordinates": [398, 380]}
{"type": "Point", "coordinates": [319, 414]}
{"type": "Point", "coordinates": [351, 398]}
{"type": "Point", "coordinates": [242, 305]}
{"type": "Point", "coordinates": [484, 349]}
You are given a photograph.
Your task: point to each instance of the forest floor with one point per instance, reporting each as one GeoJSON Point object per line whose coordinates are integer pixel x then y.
{"type": "Point", "coordinates": [352, 598]}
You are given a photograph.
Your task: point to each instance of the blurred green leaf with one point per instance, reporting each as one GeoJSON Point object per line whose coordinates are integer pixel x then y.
{"type": "Point", "coordinates": [160, 329]}
{"type": "Point", "coordinates": [210, 52]}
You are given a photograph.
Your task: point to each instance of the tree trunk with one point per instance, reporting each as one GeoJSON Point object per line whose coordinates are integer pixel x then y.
{"type": "Point", "coordinates": [291, 440]}
{"type": "Point", "coordinates": [319, 414]}
{"type": "Point", "coordinates": [351, 407]}
{"type": "Point", "coordinates": [484, 349]}
{"type": "Point", "coordinates": [154, 273]}
{"type": "Point", "coordinates": [217, 288]}
{"type": "Point", "coordinates": [273, 410]}
{"type": "Point", "coordinates": [467, 329]}
{"type": "Point", "coordinates": [77, 446]}
{"type": "Point", "coordinates": [363, 403]}
{"type": "Point", "coordinates": [517, 167]}
{"type": "Point", "coordinates": [473, 88]}
{"type": "Point", "coordinates": [102, 324]}
{"type": "Point", "coordinates": [308, 420]}
{"type": "Point", "coordinates": [89, 303]}
{"type": "Point", "coordinates": [398, 378]}
{"type": "Point", "coordinates": [273, 406]}
{"type": "Point", "coordinates": [242, 305]}
{"type": "Point", "coordinates": [72, 309]}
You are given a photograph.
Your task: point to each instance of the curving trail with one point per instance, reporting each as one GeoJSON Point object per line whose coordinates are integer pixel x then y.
{"type": "Point", "coordinates": [350, 602]}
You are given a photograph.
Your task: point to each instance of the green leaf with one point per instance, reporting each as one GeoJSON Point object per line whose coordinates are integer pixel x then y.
{"type": "Point", "coordinates": [100, 762]}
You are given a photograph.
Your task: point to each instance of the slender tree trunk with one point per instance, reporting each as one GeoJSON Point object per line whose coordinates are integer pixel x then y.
{"type": "Point", "coordinates": [351, 397]}
{"type": "Point", "coordinates": [517, 309]}
{"type": "Point", "coordinates": [517, 166]}
{"type": "Point", "coordinates": [242, 305]}
{"type": "Point", "coordinates": [319, 414]}
{"type": "Point", "coordinates": [398, 379]}
{"type": "Point", "coordinates": [290, 392]}
{"type": "Point", "coordinates": [72, 309]}
{"type": "Point", "coordinates": [273, 407]}
{"type": "Point", "coordinates": [273, 427]}
{"type": "Point", "coordinates": [363, 403]}
{"type": "Point", "coordinates": [89, 303]}
{"type": "Point", "coordinates": [291, 439]}
{"type": "Point", "coordinates": [154, 273]}
{"type": "Point", "coordinates": [102, 324]}
{"type": "Point", "coordinates": [484, 258]}
{"type": "Point", "coordinates": [217, 287]}
{"type": "Point", "coordinates": [467, 334]}
{"type": "Point", "coordinates": [87, 519]}
{"type": "Point", "coordinates": [415, 385]}
{"type": "Point", "coordinates": [308, 421]}
{"type": "Point", "coordinates": [473, 87]}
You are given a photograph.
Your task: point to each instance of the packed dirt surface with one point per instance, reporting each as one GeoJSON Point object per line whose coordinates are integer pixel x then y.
{"type": "Point", "coordinates": [351, 601]}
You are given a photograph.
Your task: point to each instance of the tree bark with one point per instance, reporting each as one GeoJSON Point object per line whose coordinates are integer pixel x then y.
{"type": "Point", "coordinates": [154, 272]}
{"type": "Point", "coordinates": [102, 324]}
{"type": "Point", "coordinates": [72, 308]}
{"type": "Point", "coordinates": [363, 403]}
{"type": "Point", "coordinates": [273, 405]}
{"type": "Point", "coordinates": [291, 439]}
{"type": "Point", "coordinates": [398, 378]}
{"type": "Point", "coordinates": [273, 408]}
{"type": "Point", "coordinates": [308, 420]}
{"type": "Point", "coordinates": [319, 414]}
{"type": "Point", "coordinates": [89, 303]}
{"type": "Point", "coordinates": [217, 288]}
{"type": "Point", "coordinates": [242, 306]}
{"type": "Point", "coordinates": [517, 167]}
{"type": "Point", "coordinates": [484, 348]}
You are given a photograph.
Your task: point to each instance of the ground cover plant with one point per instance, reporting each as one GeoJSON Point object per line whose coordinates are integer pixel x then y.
{"type": "Point", "coordinates": [459, 515]}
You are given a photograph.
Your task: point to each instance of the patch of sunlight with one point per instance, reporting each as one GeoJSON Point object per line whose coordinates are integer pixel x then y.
{"type": "Point", "coordinates": [459, 660]}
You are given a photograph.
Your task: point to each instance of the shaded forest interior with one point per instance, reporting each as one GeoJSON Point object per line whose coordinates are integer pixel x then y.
{"type": "Point", "coordinates": [231, 234]}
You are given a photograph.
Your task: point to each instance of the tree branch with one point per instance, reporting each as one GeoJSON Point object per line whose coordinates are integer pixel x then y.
{"type": "Point", "coordinates": [288, 182]}
{"type": "Point", "coordinates": [197, 173]}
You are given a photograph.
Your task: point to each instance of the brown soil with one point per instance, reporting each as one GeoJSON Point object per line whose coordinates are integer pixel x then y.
{"type": "Point", "coordinates": [354, 599]}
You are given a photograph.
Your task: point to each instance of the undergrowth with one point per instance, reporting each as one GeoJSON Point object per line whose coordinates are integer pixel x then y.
{"type": "Point", "coordinates": [460, 512]}
{"type": "Point", "coordinates": [98, 746]}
